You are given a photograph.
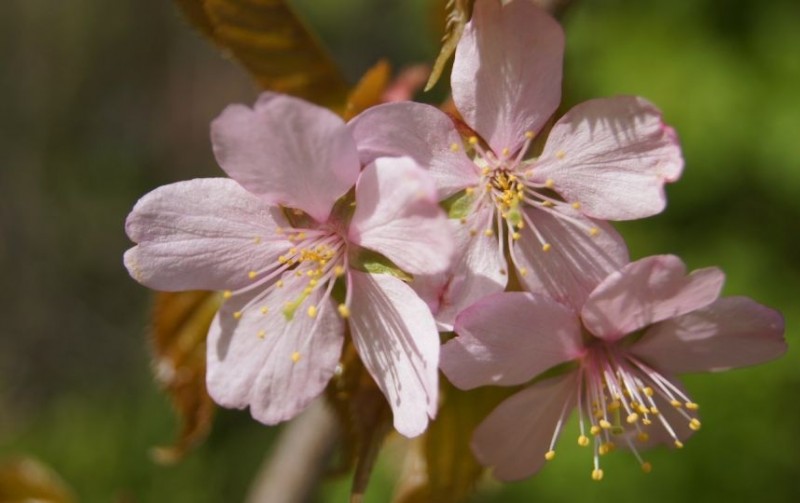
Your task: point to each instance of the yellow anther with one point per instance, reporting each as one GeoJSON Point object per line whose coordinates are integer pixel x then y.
{"type": "Point", "coordinates": [469, 190]}
{"type": "Point", "coordinates": [264, 310]}
{"type": "Point", "coordinates": [257, 240]}
{"type": "Point", "coordinates": [576, 205]}
{"type": "Point", "coordinates": [583, 440]}
{"type": "Point", "coordinates": [548, 204]}
{"type": "Point", "coordinates": [505, 152]}
{"type": "Point", "coordinates": [252, 274]}
{"type": "Point", "coordinates": [299, 274]}
{"type": "Point", "coordinates": [654, 410]}
{"type": "Point", "coordinates": [594, 430]}
{"type": "Point", "coordinates": [515, 236]}
{"type": "Point", "coordinates": [227, 294]}
{"type": "Point", "coordinates": [632, 418]}
{"type": "Point", "coordinates": [646, 422]}
{"type": "Point", "coordinates": [560, 154]}
{"type": "Point", "coordinates": [261, 334]}
{"type": "Point", "coordinates": [597, 474]}
{"type": "Point", "coordinates": [676, 404]}
{"type": "Point", "coordinates": [550, 455]}
{"type": "Point", "coordinates": [279, 283]}
{"type": "Point", "coordinates": [614, 405]}
{"type": "Point", "coordinates": [295, 357]}
{"type": "Point", "coordinates": [282, 259]}
{"type": "Point", "coordinates": [237, 315]}
{"type": "Point", "coordinates": [549, 183]}
{"type": "Point", "coordinates": [488, 233]}
{"type": "Point", "coordinates": [523, 271]}
{"type": "Point", "coordinates": [603, 449]}
{"type": "Point", "coordinates": [454, 147]}
{"type": "Point", "coordinates": [694, 424]}
{"type": "Point", "coordinates": [344, 311]}
{"type": "Point", "coordinates": [312, 311]}
{"type": "Point", "coordinates": [604, 424]}
{"type": "Point", "coordinates": [473, 140]}
{"type": "Point", "coordinates": [642, 437]}
{"type": "Point", "coordinates": [692, 406]}
{"type": "Point", "coordinates": [647, 467]}
{"type": "Point", "coordinates": [529, 135]}
{"type": "Point", "coordinates": [647, 390]}
{"type": "Point", "coordinates": [485, 172]}
{"type": "Point", "coordinates": [529, 173]}
{"type": "Point", "coordinates": [546, 247]}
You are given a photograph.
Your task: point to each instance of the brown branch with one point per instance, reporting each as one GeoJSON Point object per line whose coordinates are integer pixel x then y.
{"type": "Point", "coordinates": [291, 472]}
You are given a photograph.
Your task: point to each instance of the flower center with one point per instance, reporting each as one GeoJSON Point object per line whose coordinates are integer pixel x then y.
{"type": "Point", "coordinates": [507, 185]}
{"type": "Point", "coordinates": [621, 401]}
{"type": "Point", "coordinates": [316, 259]}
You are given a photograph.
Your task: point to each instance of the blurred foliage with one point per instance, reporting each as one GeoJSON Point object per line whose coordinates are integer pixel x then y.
{"type": "Point", "coordinates": [271, 41]}
{"type": "Point", "coordinates": [106, 100]}
{"type": "Point", "coordinates": [26, 480]}
{"type": "Point", "coordinates": [180, 323]}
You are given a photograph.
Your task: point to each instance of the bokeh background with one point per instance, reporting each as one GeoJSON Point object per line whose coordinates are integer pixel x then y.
{"type": "Point", "coordinates": [103, 101]}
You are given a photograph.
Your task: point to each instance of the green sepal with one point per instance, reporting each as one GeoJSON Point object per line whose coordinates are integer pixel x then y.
{"type": "Point", "coordinates": [459, 205]}
{"type": "Point", "coordinates": [375, 263]}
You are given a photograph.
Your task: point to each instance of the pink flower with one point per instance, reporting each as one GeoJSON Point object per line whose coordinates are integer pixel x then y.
{"type": "Point", "coordinates": [297, 230]}
{"type": "Point", "coordinates": [614, 361]}
{"type": "Point", "coordinates": [605, 159]}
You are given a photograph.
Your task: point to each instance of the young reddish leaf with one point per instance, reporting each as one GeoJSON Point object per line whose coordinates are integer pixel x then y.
{"type": "Point", "coordinates": [269, 39]}
{"type": "Point", "coordinates": [458, 13]}
{"type": "Point", "coordinates": [364, 416]}
{"type": "Point", "coordinates": [180, 326]}
{"type": "Point", "coordinates": [26, 480]}
{"type": "Point", "coordinates": [369, 90]}
{"type": "Point", "coordinates": [443, 468]}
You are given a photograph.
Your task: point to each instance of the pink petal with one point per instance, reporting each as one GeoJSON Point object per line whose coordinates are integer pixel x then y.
{"type": "Point", "coordinates": [478, 270]}
{"type": "Point", "coordinates": [648, 291]}
{"type": "Point", "coordinates": [248, 367]}
{"type": "Point", "coordinates": [396, 337]}
{"type": "Point", "coordinates": [397, 215]}
{"type": "Point", "coordinates": [421, 132]}
{"type": "Point", "coordinates": [613, 156]}
{"type": "Point", "coordinates": [576, 261]}
{"type": "Point", "coordinates": [506, 76]}
{"type": "Point", "coordinates": [514, 438]}
{"type": "Point", "coordinates": [288, 151]}
{"type": "Point", "coordinates": [731, 332]}
{"type": "Point", "coordinates": [204, 234]}
{"type": "Point", "coordinates": [509, 338]}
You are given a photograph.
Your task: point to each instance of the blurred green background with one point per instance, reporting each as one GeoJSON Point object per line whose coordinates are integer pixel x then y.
{"type": "Point", "coordinates": [103, 101]}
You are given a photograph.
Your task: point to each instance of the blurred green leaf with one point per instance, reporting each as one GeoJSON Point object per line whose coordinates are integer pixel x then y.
{"type": "Point", "coordinates": [364, 416]}
{"type": "Point", "coordinates": [458, 13]}
{"type": "Point", "coordinates": [450, 470]}
{"type": "Point", "coordinates": [26, 480]}
{"type": "Point", "coordinates": [180, 327]}
{"type": "Point", "coordinates": [268, 38]}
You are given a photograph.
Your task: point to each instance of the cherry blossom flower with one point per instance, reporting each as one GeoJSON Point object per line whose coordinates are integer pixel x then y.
{"type": "Point", "coordinates": [301, 241]}
{"type": "Point", "coordinates": [606, 159]}
{"type": "Point", "coordinates": [613, 360]}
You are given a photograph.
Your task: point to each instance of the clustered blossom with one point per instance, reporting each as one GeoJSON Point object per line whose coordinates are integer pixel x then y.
{"type": "Point", "coordinates": [298, 218]}
{"type": "Point", "coordinates": [637, 328]}
{"type": "Point", "coordinates": [406, 221]}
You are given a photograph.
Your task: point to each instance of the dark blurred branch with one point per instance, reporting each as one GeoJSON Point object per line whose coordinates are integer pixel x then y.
{"type": "Point", "coordinates": [291, 473]}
